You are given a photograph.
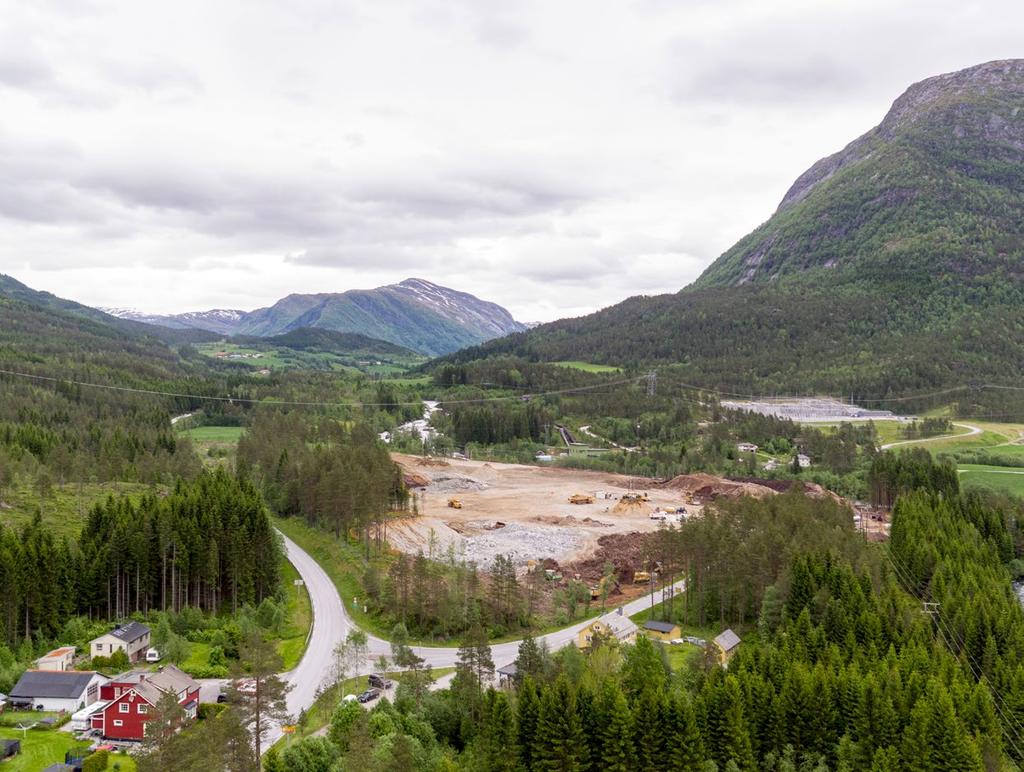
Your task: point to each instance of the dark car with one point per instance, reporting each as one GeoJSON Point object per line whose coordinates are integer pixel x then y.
{"type": "Point", "coordinates": [379, 681]}
{"type": "Point", "coordinates": [369, 694]}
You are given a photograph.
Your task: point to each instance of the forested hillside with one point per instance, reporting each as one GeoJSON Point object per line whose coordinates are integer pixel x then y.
{"type": "Point", "coordinates": [839, 666]}
{"type": "Point", "coordinates": [892, 267]}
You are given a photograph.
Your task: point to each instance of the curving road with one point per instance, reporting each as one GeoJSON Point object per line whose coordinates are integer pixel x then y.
{"type": "Point", "coordinates": [332, 624]}
{"type": "Point", "coordinates": [971, 431]}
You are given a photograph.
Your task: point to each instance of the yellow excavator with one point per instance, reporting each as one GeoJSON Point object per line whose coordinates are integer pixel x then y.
{"type": "Point", "coordinates": [455, 503]}
{"type": "Point", "coordinates": [581, 498]}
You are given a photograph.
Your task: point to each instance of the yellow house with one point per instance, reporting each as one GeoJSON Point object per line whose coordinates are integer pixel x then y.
{"type": "Point", "coordinates": [727, 643]}
{"type": "Point", "coordinates": [662, 631]}
{"type": "Point", "coordinates": [612, 625]}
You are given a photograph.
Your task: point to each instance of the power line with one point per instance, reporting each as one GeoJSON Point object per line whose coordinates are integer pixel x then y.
{"type": "Point", "coordinates": [905, 576]}
{"type": "Point", "coordinates": [292, 403]}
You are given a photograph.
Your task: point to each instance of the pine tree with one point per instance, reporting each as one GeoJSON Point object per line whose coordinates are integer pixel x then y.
{"type": "Point", "coordinates": [527, 716]}
{"type": "Point", "coordinates": [685, 748]}
{"type": "Point", "coordinates": [559, 745]}
{"type": "Point", "coordinates": [617, 754]}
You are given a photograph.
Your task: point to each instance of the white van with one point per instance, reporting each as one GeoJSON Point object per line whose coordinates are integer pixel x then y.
{"type": "Point", "coordinates": [152, 655]}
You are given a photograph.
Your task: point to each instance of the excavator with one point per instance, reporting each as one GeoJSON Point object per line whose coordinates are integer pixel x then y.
{"type": "Point", "coordinates": [610, 580]}
{"type": "Point", "coordinates": [455, 503]}
{"type": "Point", "coordinates": [581, 498]}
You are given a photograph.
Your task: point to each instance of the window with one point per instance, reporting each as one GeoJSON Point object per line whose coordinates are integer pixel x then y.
{"type": "Point", "coordinates": [142, 707]}
{"type": "Point", "coordinates": [118, 722]}
{"type": "Point", "coordinates": [124, 707]}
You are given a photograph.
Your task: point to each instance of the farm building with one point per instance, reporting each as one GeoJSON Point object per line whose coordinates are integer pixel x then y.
{"type": "Point", "coordinates": [59, 659]}
{"type": "Point", "coordinates": [746, 447]}
{"type": "Point", "coordinates": [61, 691]}
{"type": "Point", "coordinates": [132, 639]}
{"type": "Point", "coordinates": [727, 643]}
{"type": "Point", "coordinates": [507, 674]}
{"type": "Point", "coordinates": [663, 631]}
{"type": "Point", "coordinates": [613, 625]}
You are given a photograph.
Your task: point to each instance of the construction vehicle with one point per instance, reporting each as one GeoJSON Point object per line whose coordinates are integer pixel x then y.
{"type": "Point", "coordinates": [610, 581]}
{"type": "Point", "coordinates": [641, 577]}
{"type": "Point", "coordinates": [581, 498]}
{"type": "Point", "coordinates": [455, 503]}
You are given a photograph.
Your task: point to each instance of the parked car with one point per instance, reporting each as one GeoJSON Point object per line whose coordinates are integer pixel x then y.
{"type": "Point", "coordinates": [378, 681]}
{"type": "Point", "coordinates": [349, 698]}
{"type": "Point", "coordinates": [369, 694]}
{"type": "Point", "coordinates": [152, 655]}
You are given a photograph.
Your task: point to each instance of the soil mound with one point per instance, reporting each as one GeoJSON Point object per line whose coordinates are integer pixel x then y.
{"type": "Point", "coordinates": [708, 487]}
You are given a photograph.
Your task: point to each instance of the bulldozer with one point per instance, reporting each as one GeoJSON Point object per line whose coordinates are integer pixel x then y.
{"type": "Point", "coordinates": [455, 503]}
{"type": "Point", "coordinates": [581, 498]}
{"type": "Point", "coordinates": [610, 580]}
{"type": "Point", "coordinates": [641, 577]}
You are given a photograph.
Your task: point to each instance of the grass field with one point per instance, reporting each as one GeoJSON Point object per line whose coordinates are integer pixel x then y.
{"type": "Point", "coordinates": [1005, 479]}
{"type": "Point", "coordinates": [211, 434]}
{"type": "Point", "coordinates": [64, 507]}
{"type": "Point", "coordinates": [588, 367]}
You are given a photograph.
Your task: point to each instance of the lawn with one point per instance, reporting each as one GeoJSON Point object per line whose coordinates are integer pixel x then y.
{"type": "Point", "coordinates": [998, 478]}
{"type": "Point", "coordinates": [588, 367]}
{"type": "Point", "coordinates": [39, 749]}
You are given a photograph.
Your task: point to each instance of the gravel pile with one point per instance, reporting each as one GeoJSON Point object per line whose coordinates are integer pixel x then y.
{"type": "Point", "coordinates": [450, 483]}
{"type": "Point", "coordinates": [521, 542]}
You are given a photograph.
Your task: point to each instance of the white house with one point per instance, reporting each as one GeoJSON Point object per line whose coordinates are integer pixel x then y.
{"type": "Point", "coordinates": [59, 659]}
{"type": "Point", "coordinates": [132, 639]}
{"type": "Point", "coordinates": [804, 461]}
{"type": "Point", "coordinates": [746, 447]}
{"type": "Point", "coordinates": [68, 691]}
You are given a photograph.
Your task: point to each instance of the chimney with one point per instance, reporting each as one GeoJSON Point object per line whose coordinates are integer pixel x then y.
{"type": "Point", "coordinates": [620, 611]}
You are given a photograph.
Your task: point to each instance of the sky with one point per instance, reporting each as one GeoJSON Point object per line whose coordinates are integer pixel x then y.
{"type": "Point", "coordinates": [555, 157]}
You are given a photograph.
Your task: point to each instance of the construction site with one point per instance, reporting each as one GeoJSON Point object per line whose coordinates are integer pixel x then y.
{"type": "Point", "coordinates": [568, 523]}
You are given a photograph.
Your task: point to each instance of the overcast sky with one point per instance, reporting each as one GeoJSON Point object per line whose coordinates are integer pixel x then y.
{"type": "Point", "coordinates": [555, 157]}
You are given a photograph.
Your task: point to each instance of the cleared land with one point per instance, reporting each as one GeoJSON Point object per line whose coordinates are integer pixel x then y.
{"type": "Point", "coordinates": [520, 510]}
{"type": "Point", "coordinates": [589, 367]}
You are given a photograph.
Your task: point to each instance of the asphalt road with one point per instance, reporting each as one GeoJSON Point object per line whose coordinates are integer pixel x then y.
{"type": "Point", "coordinates": [332, 624]}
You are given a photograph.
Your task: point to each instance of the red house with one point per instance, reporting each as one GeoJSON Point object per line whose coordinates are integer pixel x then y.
{"type": "Point", "coordinates": [133, 698]}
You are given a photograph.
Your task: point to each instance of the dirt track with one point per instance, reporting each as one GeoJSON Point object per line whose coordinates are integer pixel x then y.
{"type": "Point", "coordinates": [531, 502]}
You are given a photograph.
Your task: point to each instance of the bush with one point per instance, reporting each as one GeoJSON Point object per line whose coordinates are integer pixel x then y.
{"type": "Point", "coordinates": [97, 762]}
{"type": "Point", "coordinates": [210, 710]}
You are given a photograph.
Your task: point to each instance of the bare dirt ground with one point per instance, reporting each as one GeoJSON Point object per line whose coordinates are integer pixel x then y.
{"type": "Point", "coordinates": [522, 511]}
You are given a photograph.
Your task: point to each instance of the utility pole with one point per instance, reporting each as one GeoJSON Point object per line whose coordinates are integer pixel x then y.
{"type": "Point", "coordinates": [652, 382]}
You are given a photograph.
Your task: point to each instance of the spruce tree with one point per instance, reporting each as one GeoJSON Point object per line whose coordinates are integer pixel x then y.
{"type": "Point", "coordinates": [559, 745]}
{"type": "Point", "coordinates": [617, 753]}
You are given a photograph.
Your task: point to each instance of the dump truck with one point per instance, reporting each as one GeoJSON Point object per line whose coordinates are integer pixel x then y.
{"type": "Point", "coordinates": [581, 498]}
{"type": "Point", "coordinates": [455, 503]}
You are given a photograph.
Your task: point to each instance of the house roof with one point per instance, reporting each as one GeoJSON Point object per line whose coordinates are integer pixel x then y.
{"type": "Point", "coordinates": [659, 627]}
{"type": "Point", "coordinates": [170, 678]}
{"type": "Point", "coordinates": [149, 692]}
{"type": "Point", "coordinates": [509, 670]}
{"type": "Point", "coordinates": [55, 684]}
{"type": "Point", "coordinates": [130, 677]}
{"type": "Point", "coordinates": [130, 632]}
{"type": "Point", "coordinates": [619, 624]}
{"type": "Point", "coordinates": [56, 653]}
{"type": "Point", "coordinates": [727, 641]}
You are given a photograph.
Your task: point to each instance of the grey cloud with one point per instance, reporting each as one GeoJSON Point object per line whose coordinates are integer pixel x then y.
{"type": "Point", "coordinates": [746, 79]}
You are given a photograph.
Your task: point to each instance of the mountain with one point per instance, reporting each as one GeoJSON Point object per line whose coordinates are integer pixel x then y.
{"type": "Point", "coordinates": [891, 266]}
{"type": "Point", "coordinates": [13, 289]}
{"type": "Point", "coordinates": [312, 339]}
{"type": "Point", "coordinates": [416, 314]}
{"type": "Point", "coordinates": [218, 320]}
